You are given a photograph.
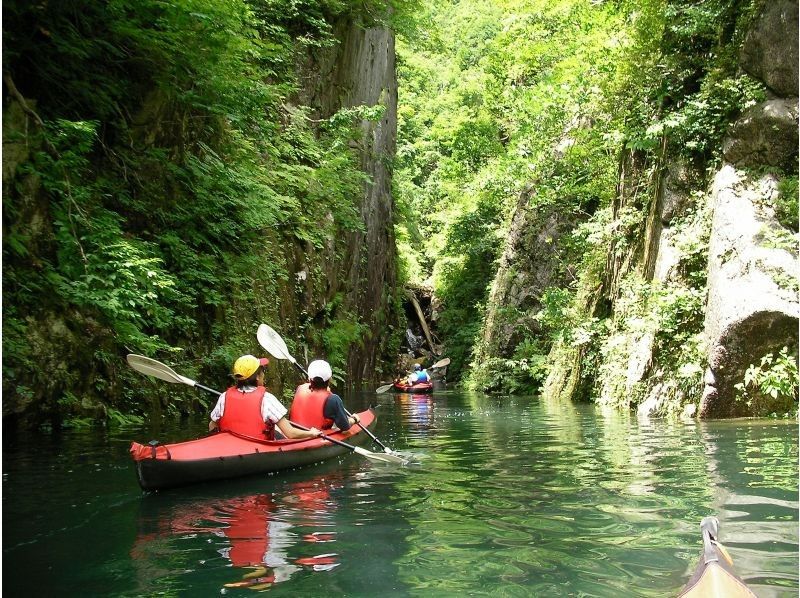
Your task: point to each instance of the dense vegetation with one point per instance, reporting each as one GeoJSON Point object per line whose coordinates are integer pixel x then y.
{"type": "Point", "coordinates": [499, 99]}
{"type": "Point", "coordinates": [474, 134]}
{"type": "Point", "coordinates": [168, 172]}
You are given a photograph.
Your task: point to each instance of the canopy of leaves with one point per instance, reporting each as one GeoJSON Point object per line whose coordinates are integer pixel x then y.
{"type": "Point", "coordinates": [499, 96]}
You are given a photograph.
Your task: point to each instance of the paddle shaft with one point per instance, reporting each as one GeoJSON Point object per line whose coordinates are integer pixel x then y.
{"type": "Point", "coordinates": [369, 433]}
{"type": "Point", "coordinates": [356, 449]}
{"type": "Point", "coordinates": [207, 389]}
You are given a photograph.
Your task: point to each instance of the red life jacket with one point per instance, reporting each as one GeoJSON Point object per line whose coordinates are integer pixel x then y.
{"type": "Point", "coordinates": [242, 414]}
{"type": "Point", "coordinates": [307, 407]}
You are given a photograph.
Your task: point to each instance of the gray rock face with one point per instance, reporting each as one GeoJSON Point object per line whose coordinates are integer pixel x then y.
{"type": "Point", "coordinates": [528, 266]}
{"type": "Point", "coordinates": [766, 135]}
{"type": "Point", "coordinates": [753, 305]}
{"type": "Point", "coordinates": [770, 51]}
{"type": "Point", "coordinates": [357, 71]}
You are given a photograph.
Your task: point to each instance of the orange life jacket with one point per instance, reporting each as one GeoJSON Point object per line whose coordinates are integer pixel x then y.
{"type": "Point", "coordinates": [242, 414]}
{"type": "Point", "coordinates": [307, 407]}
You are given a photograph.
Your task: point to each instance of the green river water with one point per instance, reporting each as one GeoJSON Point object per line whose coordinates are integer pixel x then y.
{"type": "Point", "coordinates": [505, 497]}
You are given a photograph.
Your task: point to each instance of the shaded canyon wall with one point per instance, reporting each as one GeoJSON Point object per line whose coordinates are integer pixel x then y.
{"type": "Point", "coordinates": [352, 276]}
{"type": "Point", "coordinates": [359, 266]}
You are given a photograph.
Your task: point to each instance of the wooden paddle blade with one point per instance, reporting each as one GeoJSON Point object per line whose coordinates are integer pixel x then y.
{"type": "Point", "coordinates": [151, 367]}
{"type": "Point", "coordinates": [441, 363]}
{"type": "Point", "coordinates": [383, 389]}
{"type": "Point", "coordinates": [379, 456]}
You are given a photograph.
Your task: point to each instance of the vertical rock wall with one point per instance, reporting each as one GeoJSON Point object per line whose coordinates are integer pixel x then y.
{"type": "Point", "coordinates": [360, 266]}
{"type": "Point", "coordinates": [752, 306]}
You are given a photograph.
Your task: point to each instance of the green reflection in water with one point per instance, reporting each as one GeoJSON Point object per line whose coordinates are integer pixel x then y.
{"type": "Point", "coordinates": [508, 496]}
{"type": "Point", "coordinates": [560, 499]}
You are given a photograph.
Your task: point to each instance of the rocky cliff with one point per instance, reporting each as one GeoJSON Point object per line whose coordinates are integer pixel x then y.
{"type": "Point", "coordinates": [358, 71]}
{"type": "Point", "coordinates": [159, 167]}
{"type": "Point", "coordinates": [699, 276]}
{"type": "Point", "coordinates": [752, 309]}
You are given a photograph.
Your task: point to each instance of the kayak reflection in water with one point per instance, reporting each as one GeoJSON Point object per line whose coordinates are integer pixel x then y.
{"type": "Point", "coordinates": [258, 532]}
{"type": "Point", "coordinates": [258, 540]}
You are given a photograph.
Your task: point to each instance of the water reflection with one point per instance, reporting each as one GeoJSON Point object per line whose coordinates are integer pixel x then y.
{"type": "Point", "coordinates": [417, 410]}
{"type": "Point", "coordinates": [268, 536]}
{"type": "Point", "coordinates": [557, 499]}
{"type": "Point", "coordinates": [509, 496]}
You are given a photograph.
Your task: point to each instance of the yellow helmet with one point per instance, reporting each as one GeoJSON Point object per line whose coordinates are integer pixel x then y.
{"type": "Point", "coordinates": [247, 365]}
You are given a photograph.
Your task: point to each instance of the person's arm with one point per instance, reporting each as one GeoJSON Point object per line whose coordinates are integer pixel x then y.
{"type": "Point", "coordinates": [216, 414]}
{"type": "Point", "coordinates": [288, 430]}
{"type": "Point", "coordinates": [334, 409]}
{"type": "Point", "coordinates": [273, 410]}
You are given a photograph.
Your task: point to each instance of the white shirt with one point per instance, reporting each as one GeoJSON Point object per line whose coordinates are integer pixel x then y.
{"type": "Point", "coordinates": [271, 408]}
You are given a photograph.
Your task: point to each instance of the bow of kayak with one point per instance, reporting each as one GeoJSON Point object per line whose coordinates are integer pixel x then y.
{"type": "Point", "coordinates": [714, 576]}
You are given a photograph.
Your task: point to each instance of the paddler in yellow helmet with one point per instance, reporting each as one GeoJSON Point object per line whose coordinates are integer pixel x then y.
{"type": "Point", "coordinates": [248, 409]}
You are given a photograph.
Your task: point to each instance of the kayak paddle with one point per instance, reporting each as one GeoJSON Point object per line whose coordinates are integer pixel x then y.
{"type": "Point", "coordinates": [386, 458]}
{"type": "Point", "coordinates": [275, 345]}
{"type": "Point", "coordinates": [151, 367]}
{"type": "Point", "coordinates": [385, 388]}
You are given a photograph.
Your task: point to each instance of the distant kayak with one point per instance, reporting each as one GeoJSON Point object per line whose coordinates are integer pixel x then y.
{"type": "Point", "coordinates": [419, 387]}
{"type": "Point", "coordinates": [714, 576]}
{"type": "Point", "coordinates": [225, 455]}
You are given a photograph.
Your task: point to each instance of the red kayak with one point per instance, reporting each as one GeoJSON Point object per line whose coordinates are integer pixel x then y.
{"type": "Point", "coordinates": [226, 455]}
{"type": "Point", "coordinates": [419, 387]}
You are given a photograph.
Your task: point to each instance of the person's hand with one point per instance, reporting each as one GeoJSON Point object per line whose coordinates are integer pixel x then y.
{"type": "Point", "coordinates": [314, 432]}
{"type": "Point", "coordinates": [356, 419]}
{"type": "Point", "coordinates": [213, 426]}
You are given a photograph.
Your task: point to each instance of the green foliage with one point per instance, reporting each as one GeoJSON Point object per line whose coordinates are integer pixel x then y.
{"type": "Point", "coordinates": [554, 312]}
{"type": "Point", "coordinates": [118, 419]}
{"type": "Point", "coordinates": [523, 373]}
{"type": "Point", "coordinates": [786, 209]}
{"type": "Point", "coordinates": [338, 338]}
{"type": "Point", "coordinates": [173, 169]}
{"type": "Point", "coordinates": [484, 97]}
{"type": "Point", "coordinates": [775, 376]}
{"type": "Point", "coordinates": [464, 272]}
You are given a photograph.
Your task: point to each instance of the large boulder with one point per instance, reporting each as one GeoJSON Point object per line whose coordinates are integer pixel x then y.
{"type": "Point", "coordinates": [766, 135]}
{"type": "Point", "coordinates": [753, 306]}
{"type": "Point", "coordinates": [769, 52]}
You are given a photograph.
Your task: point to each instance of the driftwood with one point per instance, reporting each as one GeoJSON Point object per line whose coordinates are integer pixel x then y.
{"type": "Point", "coordinates": [413, 298]}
